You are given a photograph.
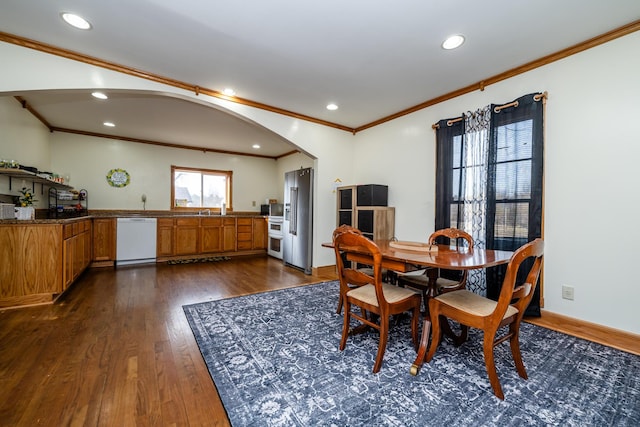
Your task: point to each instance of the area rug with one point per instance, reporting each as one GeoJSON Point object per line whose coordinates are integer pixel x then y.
{"type": "Point", "coordinates": [196, 260]}
{"type": "Point", "coordinates": [275, 361]}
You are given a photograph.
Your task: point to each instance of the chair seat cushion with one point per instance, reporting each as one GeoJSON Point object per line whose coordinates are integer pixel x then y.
{"type": "Point", "coordinates": [469, 302]}
{"type": "Point", "coordinates": [423, 280]}
{"type": "Point", "coordinates": [392, 294]}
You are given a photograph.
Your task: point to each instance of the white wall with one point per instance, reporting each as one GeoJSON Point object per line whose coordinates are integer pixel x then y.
{"type": "Point", "coordinates": [590, 180]}
{"type": "Point", "coordinates": [23, 139]}
{"type": "Point", "coordinates": [89, 159]}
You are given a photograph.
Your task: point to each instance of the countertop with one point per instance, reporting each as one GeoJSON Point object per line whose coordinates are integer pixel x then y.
{"type": "Point", "coordinates": [42, 216]}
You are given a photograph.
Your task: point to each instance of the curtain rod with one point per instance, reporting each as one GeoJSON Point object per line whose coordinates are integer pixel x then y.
{"type": "Point", "coordinates": [497, 109]}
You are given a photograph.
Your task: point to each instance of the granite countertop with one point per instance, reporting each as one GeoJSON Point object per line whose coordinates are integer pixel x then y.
{"type": "Point", "coordinates": [42, 216]}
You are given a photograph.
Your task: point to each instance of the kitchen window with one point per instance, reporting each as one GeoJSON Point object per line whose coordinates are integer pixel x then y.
{"type": "Point", "coordinates": [194, 188]}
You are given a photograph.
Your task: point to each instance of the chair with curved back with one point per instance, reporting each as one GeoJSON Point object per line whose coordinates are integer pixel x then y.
{"type": "Point", "coordinates": [370, 293]}
{"type": "Point", "coordinates": [420, 279]}
{"type": "Point", "coordinates": [367, 270]}
{"type": "Point", "coordinates": [472, 310]}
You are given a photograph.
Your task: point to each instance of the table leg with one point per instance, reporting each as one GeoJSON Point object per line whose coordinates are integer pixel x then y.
{"type": "Point", "coordinates": [432, 274]}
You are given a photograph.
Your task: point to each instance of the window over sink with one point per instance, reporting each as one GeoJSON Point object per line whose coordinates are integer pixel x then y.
{"type": "Point", "coordinates": [195, 189]}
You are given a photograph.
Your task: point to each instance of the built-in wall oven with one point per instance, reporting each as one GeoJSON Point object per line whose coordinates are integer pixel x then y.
{"type": "Point", "coordinates": [275, 236]}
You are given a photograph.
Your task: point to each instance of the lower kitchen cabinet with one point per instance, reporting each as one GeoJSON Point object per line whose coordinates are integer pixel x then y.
{"type": "Point", "coordinates": [187, 236]}
{"type": "Point", "coordinates": [104, 241]}
{"type": "Point", "coordinates": [40, 261]}
{"type": "Point", "coordinates": [180, 237]}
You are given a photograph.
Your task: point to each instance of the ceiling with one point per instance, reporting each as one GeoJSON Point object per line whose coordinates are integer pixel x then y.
{"type": "Point", "coordinates": [292, 56]}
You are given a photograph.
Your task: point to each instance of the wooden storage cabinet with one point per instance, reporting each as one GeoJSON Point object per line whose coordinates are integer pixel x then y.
{"type": "Point", "coordinates": [365, 207]}
{"type": "Point", "coordinates": [211, 234]}
{"type": "Point", "coordinates": [32, 264]}
{"type": "Point", "coordinates": [260, 233]}
{"type": "Point", "coordinates": [245, 234]}
{"type": "Point", "coordinates": [228, 234]}
{"type": "Point", "coordinates": [376, 222]}
{"type": "Point", "coordinates": [187, 236]}
{"type": "Point", "coordinates": [104, 241]}
{"type": "Point", "coordinates": [76, 250]}
{"type": "Point", "coordinates": [164, 239]}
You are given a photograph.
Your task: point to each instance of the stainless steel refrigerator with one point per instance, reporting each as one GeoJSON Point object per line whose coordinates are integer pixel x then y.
{"type": "Point", "coordinates": [298, 219]}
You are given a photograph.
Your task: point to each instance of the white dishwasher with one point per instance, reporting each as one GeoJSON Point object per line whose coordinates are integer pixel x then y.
{"type": "Point", "coordinates": [136, 241]}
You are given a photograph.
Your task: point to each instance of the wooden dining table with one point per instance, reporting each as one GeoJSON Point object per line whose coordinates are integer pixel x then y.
{"type": "Point", "coordinates": [402, 257]}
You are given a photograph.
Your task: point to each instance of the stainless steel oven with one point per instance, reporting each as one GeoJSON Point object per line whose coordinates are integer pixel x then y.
{"type": "Point", "coordinates": [275, 236]}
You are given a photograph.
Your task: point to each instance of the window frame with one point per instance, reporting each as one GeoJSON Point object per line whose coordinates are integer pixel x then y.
{"type": "Point", "coordinates": [228, 196]}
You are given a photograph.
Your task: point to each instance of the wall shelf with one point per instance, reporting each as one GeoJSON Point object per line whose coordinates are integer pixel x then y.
{"type": "Point", "coordinates": [32, 177]}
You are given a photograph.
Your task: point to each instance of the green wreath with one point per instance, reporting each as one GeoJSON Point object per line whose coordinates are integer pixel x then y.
{"type": "Point", "coordinates": [118, 178]}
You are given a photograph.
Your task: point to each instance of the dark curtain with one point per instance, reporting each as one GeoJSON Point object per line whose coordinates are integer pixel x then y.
{"type": "Point", "coordinates": [447, 132]}
{"type": "Point", "coordinates": [517, 206]}
{"type": "Point", "coordinates": [514, 201]}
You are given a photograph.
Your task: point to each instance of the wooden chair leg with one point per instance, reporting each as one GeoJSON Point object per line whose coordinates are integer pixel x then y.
{"type": "Point", "coordinates": [340, 298]}
{"type": "Point", "coordinates": [514, 343]}
{"type": "Point", "coordinates": [491, 365]}
{"type": "Point", "coordinates": [384, 333]}
{"type": "Point", "coordinates": [345, 325]}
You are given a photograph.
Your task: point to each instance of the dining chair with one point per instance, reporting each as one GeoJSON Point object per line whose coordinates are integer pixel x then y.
{"type": "Point", "coordinates": [370, 293]}
{"type": "Point", "coordinates": [367, 270]}
{"type": "Point", "coordinates": [472, 310]}
{"type": "Point", "coordinates": [420, 279]}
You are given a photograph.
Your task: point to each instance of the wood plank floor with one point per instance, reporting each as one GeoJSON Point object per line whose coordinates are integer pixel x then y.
{"type": "Point", "coordinates": [116, 350]}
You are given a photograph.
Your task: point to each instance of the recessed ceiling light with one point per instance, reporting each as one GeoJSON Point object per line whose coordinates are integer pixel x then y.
{"type": "Point", "coordinates": [99, 95]}
{"type": "Point", "coordinates": [256, 146]}
{"type": "Point", "coordinates": [229, 92]}
{"type": "Point", "coordinates": [332, 107]}
{"type": "Point", "coordinates": [109, 124]}
{"type": "Point", "coordinates": [76, 21]}
{"type": "Point", "coordinates": [453, 42]}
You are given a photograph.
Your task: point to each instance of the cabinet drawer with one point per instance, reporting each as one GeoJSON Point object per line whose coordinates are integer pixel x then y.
{"type": "Point", "coordinates": [244, 221]}
{"type": "Point", "coordinates": [244, 229]}
{"type": "Point", "coordinates": [188, 221]}
{"type": "Point", "coordinates": [165, 222]}
{"type": "Point", "coordinates": [211, 222]}
{"type": "Point", "coordinates": [244, 245]}
{"type": "Point", "coordinates": [229, 221]}
{"type": "Point", "coordinates": [243, 237]}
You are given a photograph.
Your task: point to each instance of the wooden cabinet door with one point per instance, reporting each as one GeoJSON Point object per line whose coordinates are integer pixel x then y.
{"type": "Point", "coordinates": [187, 236]}
{"type": "Point", "coordinates": [260, 233]}
{"type": "Point", "coordinates": [229, 235]}
{"type": "Point", "coordinates": [67, 261]}
{"type": "Point", "coordinates": [211, 234]}
{"type": "Point", "coordinates": [104, 239]}
{"type": "Point", "coordinates": [164, 239]}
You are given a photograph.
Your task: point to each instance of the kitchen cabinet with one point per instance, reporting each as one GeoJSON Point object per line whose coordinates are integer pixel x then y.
{"type": "Point", "coordinates": [104, 242]}
{"type": "Point", "coordinates": [187, 236]}
{"type": "Point", "coordinates": [260, 232]}
{"type": "Point", "coordinates": [228, 234]}
{"type": "Point", "coordinates": [205, 235]}
{"type": "Point", "coordinates": [211, 234]}
{"type": "Point", "coordinates": [164, 239]}
{"type": "Point", "coordinates": [244, 234]}
{"type": "Point", "coordinates": [40, 261]}
{"type": "Point", "coordinates": [76, 252]}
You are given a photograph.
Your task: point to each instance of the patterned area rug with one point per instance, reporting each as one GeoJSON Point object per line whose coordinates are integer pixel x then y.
{"type": "Point", "coordinates": [194, 260]}
{"type": "Point", "coordinates": [275, 361]}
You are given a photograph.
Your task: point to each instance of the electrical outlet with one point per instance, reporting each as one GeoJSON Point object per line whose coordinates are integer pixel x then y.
{"type": "Point", "coordinates": [253, 203]}
{"type": "Point", "coordinates": [567, 292]}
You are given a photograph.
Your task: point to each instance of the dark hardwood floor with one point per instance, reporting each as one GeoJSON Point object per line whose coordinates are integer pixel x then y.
{"type": "Point", "coordinates": [116, 349]}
